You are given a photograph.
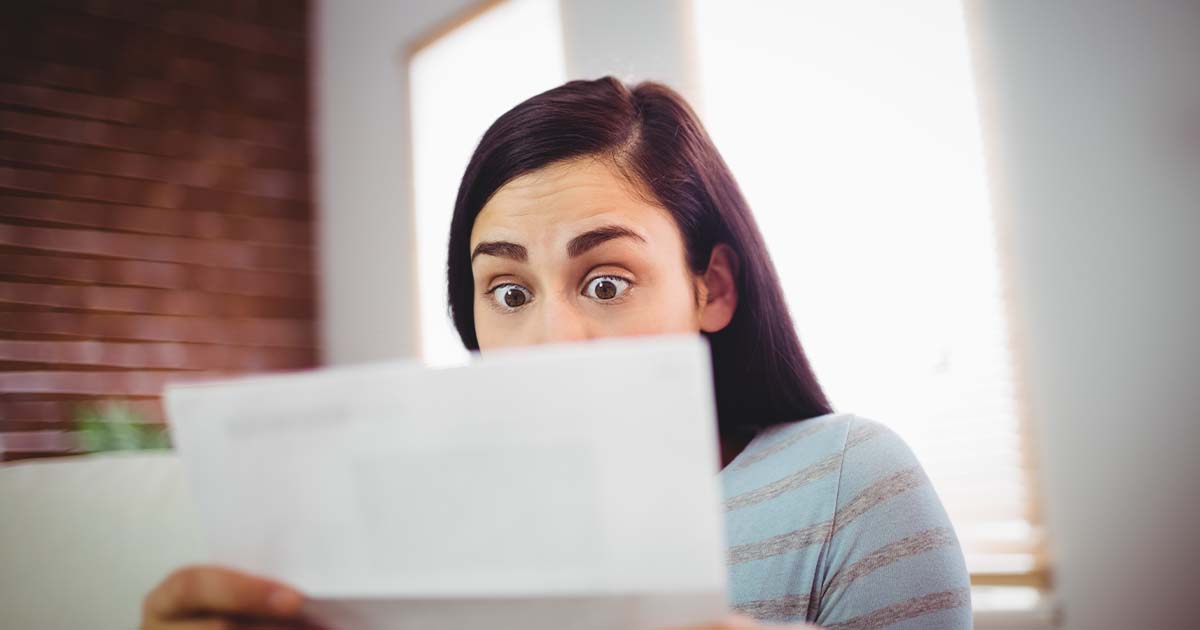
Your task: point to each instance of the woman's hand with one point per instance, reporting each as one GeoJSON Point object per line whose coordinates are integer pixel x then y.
{"type": "Point", "coordinates": [215, 598]}
{"type": "Point", "coordinates": [209, 597]}
{"type": "Point", "coordinates": [742, 622]}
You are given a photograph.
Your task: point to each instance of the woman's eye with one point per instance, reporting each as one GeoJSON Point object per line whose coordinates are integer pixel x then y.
{"type": "Point", "coordinates": [606, 288]}
{"type": "Point", "coordinates": [510, 296]}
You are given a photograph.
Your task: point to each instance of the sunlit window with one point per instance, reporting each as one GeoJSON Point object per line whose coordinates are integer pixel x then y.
{"type": "Point", "coordinates": [853, 131]}
{"type": "Point", "coordinates": [851, 127]}
{"type": "Point", "coordinates": [460, 83]}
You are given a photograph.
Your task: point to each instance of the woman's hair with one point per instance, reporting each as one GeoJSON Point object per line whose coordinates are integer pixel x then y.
{"type": "Point", "coordinates": [652, 137]}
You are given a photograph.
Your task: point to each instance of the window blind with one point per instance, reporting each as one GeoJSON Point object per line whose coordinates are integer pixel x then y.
{"type": "Point", "coordinates": [856, 142]}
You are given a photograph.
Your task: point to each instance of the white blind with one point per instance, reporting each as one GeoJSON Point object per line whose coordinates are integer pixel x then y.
{"type": "Point", "coordinates": [852, 129]}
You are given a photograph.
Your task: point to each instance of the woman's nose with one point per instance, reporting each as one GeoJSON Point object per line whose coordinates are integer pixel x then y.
{"type": "Point", "coordinates": [561, 322]}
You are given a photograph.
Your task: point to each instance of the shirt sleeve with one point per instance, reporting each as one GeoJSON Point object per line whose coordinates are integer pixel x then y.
{"type": "Point", "coordinates": [892, 559]}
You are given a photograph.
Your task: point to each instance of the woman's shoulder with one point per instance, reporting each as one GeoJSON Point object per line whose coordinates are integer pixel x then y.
{"type": "Point", "coordinates": [887, 526]}
{"type": "Point", "coordinates": [865, 473]}
{"type": "Point", "coordinates": [826, 457]}
{"type": "Point", "coordinates": [831, 435]}
{"type": "Point", "coordinates": [873, 463]}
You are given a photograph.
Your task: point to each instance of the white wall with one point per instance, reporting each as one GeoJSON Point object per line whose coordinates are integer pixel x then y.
{"type": "Point", "coordinates": [1092, 123]}
{"type": "Point", "coordinates": [632, 40]}
{"type": "Point", "coordinates": [365, 227]}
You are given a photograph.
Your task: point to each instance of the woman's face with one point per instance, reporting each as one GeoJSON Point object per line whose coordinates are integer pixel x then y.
{"type": "Point", "coordinates": [570, 252]}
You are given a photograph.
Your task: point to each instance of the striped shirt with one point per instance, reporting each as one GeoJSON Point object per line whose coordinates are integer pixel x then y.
{"type": "Point", "coordinates": [832, 521]}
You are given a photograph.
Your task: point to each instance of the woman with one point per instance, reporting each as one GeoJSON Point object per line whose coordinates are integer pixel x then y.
{"type": "Point", "coordinates": [596, 210]}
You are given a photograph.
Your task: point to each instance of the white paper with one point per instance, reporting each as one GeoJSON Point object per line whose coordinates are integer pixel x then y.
{"type": "Point", "coordinates": [569, 486]}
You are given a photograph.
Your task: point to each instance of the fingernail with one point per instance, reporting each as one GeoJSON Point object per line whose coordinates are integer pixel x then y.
{"type": "Point", "coordinates": [284, 600]}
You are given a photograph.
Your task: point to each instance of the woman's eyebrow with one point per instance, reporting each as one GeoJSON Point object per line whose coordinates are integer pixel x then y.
{"type": "Point", "coordinates": [502, 249]}
{"type": "Point", "coordinates": [575, 248]}
{"type": "Point", "coordinates": [593, 238]}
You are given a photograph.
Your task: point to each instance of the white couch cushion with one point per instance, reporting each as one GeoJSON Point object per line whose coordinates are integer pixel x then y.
{"type": "Point", "coordinates": [83, 539]}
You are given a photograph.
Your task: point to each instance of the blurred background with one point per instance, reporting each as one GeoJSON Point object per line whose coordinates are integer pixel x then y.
{"type": "Point", "coordinates": [985, 216]}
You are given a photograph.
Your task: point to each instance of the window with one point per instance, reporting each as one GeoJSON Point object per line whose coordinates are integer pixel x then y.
{"type": "Point", "coordinates": [852, 129]}
{"type": "Point", "coordinates": [460, 83]}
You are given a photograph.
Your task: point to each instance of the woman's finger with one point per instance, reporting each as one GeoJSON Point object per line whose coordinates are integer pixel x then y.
{"type": "Point", "coordinates": [742, 622]}
{"type": "Point", "coordinates": [201, 590]}
{"type": "Point", "coordinates": [229, 623]}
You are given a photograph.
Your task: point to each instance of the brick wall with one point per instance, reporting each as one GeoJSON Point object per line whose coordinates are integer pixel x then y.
{"type": "Point", "coordinates": [154, 204]}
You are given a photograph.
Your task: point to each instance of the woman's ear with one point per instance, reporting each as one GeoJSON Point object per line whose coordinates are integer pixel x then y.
{"type": "Point", "coordinates": [718, 289]}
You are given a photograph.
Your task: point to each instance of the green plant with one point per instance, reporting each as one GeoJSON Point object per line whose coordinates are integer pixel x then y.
{"type": "Point", "coordinates": [113, 426]}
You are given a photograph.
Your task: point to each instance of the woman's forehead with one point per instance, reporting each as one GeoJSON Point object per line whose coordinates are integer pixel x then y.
{"type": "Point", "coordinates": [557, 202]}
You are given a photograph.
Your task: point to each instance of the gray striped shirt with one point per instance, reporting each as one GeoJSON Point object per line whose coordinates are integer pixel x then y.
{"type": "Point", "coordinates": [832, 521]}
